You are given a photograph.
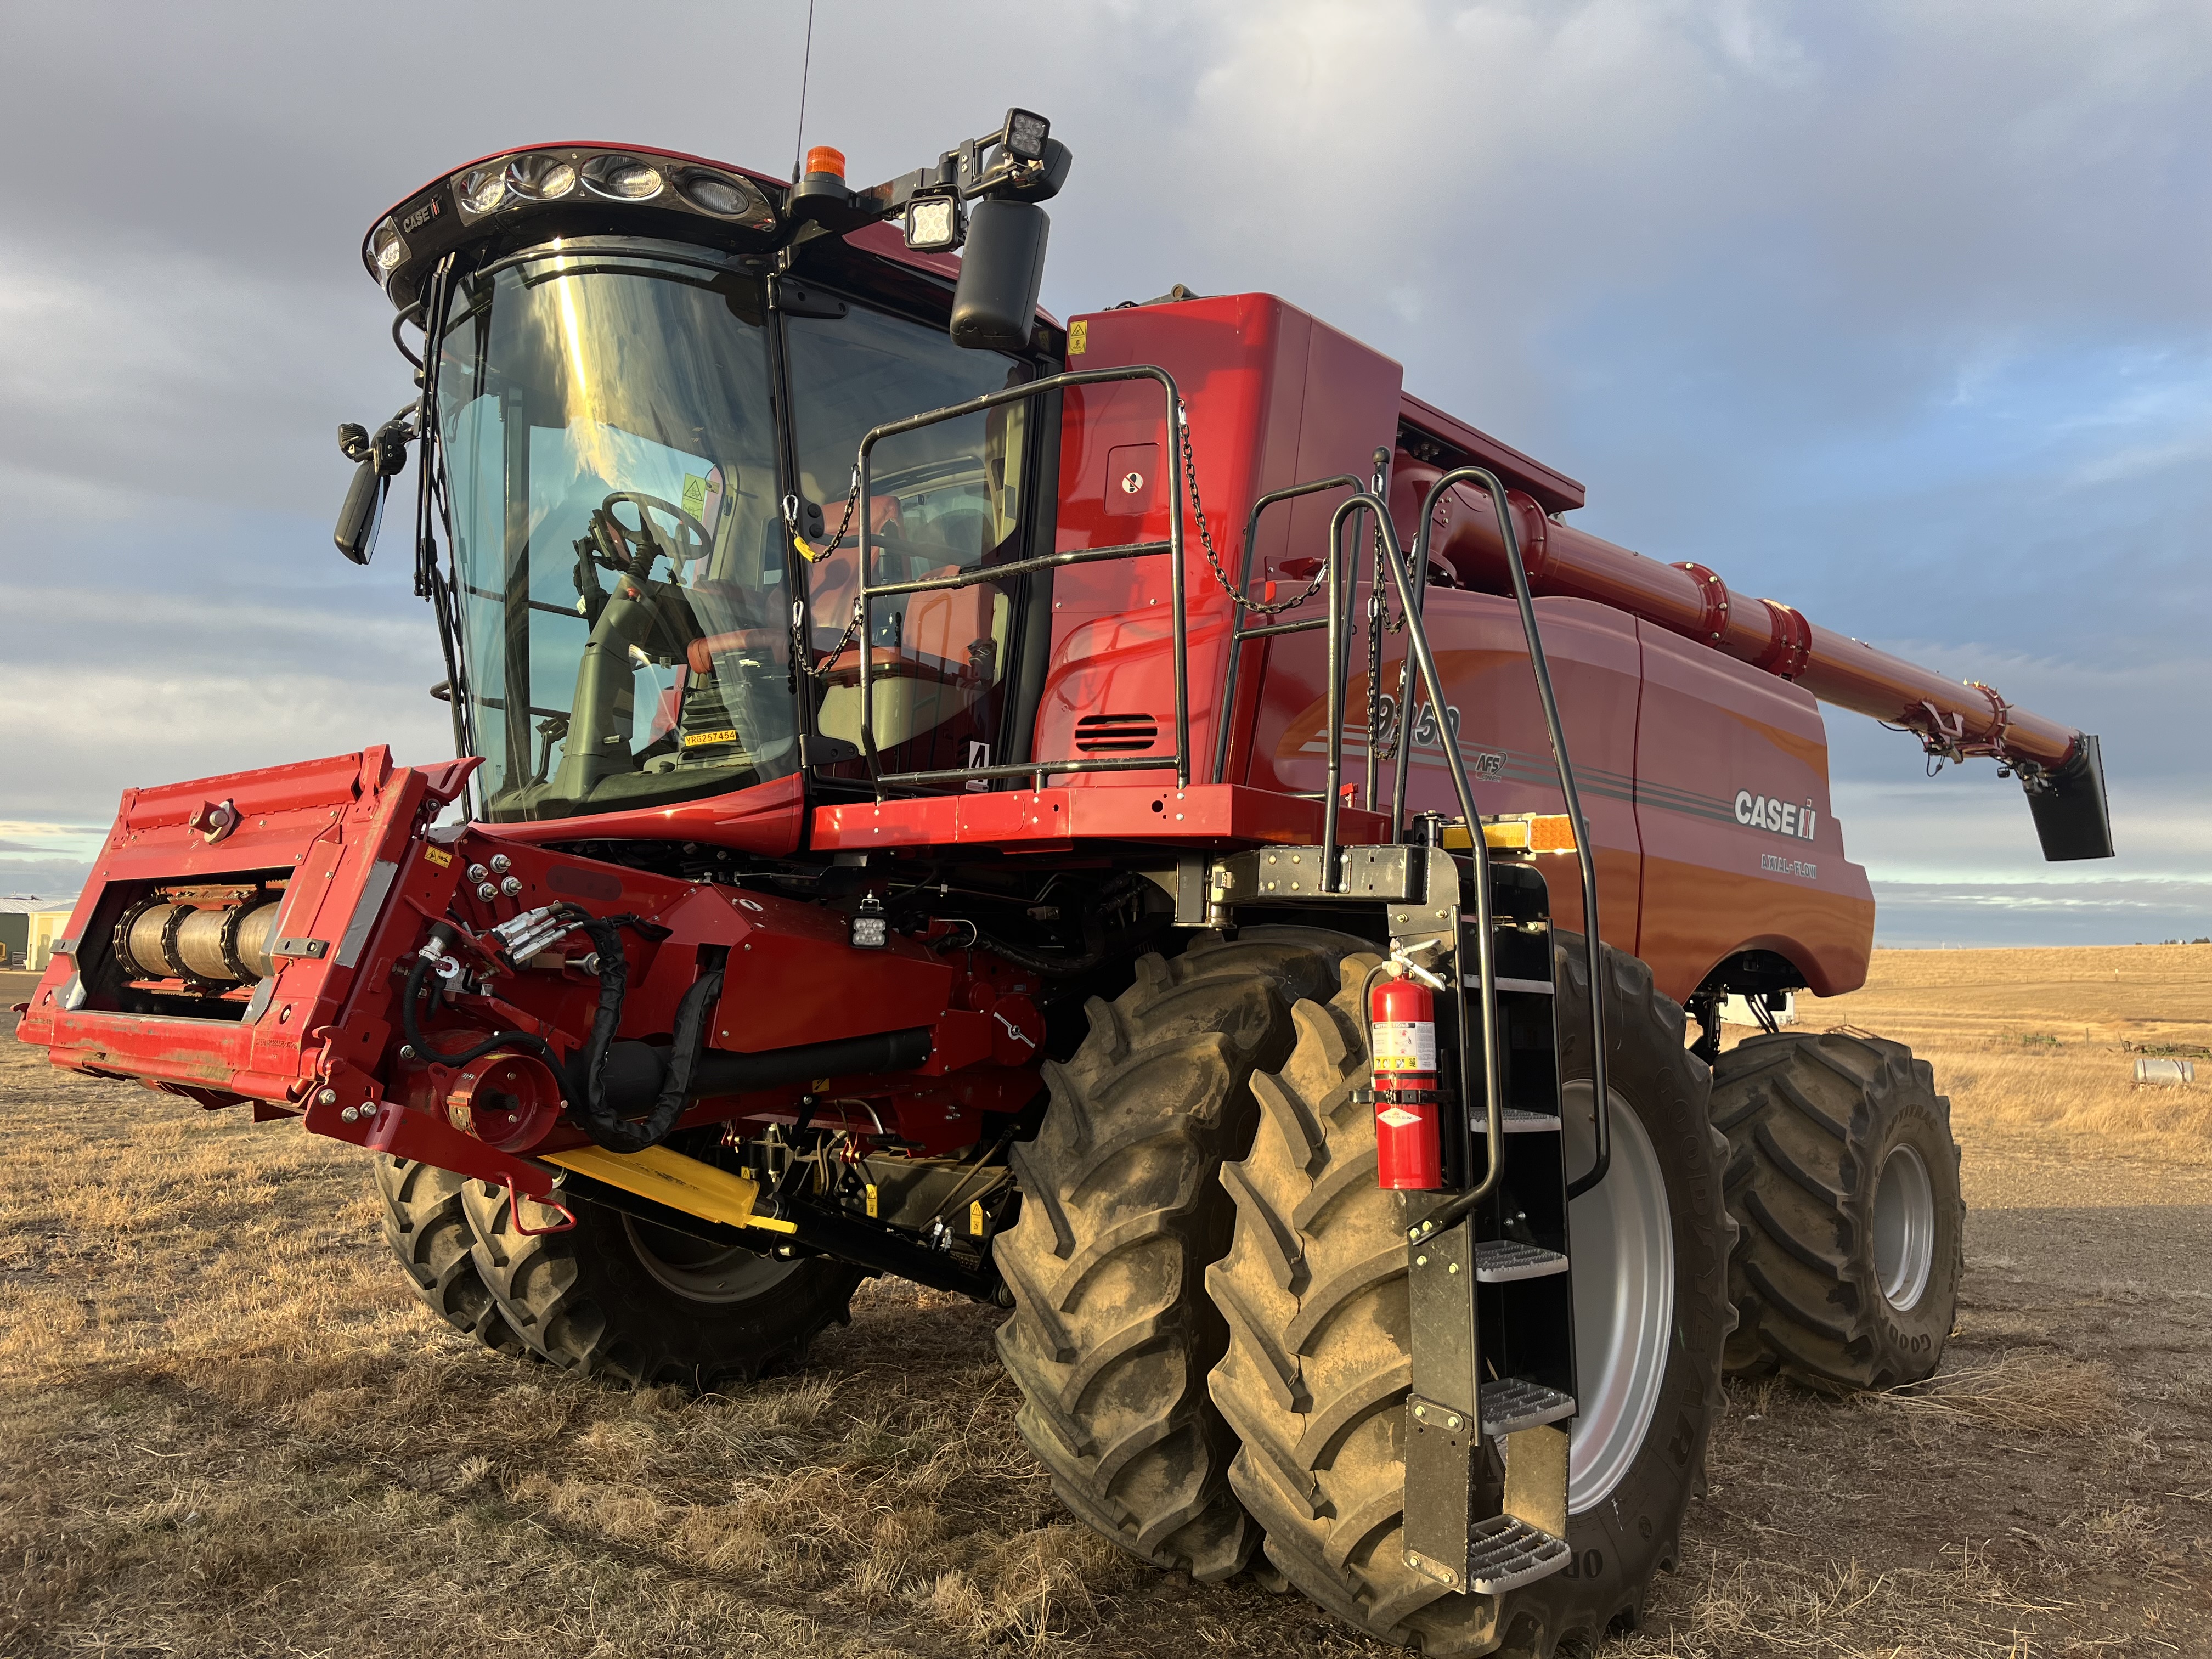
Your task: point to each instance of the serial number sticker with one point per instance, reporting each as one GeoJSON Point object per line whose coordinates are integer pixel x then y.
{"type": "Point", "coordinates": [1405, 1046]}
{"type": "Point", "coordinates": [1782, 866]}
{"type": "Point", "coordinates": [700, 739]}
{"type": "Point", "coordinates": [437, 855]}
{"type": "Point", "coordinates": [1078, 339]}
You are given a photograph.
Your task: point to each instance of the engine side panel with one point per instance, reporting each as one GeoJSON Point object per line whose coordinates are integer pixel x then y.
{"type": "Point", "coordinates": [1274, 397]}
{"type": "Point", "coordinates": [1492, 704]}
{"type": "Point", "coordinates": [1728, 764]}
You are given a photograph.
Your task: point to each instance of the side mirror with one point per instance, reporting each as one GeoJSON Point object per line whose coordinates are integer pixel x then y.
{"type": "Point", "coordinates": [362, 515]}
{"type": "Point", "coordinates": [378, 459]}
{"type": "Point", "coordinates": [1001, 273]}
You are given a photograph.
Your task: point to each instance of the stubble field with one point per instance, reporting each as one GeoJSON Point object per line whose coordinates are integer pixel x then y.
{"type": "Point", "coordinates": [226, 1429]}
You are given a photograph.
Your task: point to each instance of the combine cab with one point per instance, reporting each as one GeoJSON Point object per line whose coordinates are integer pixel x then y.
{"type": "Point", "coordinates": [1145, 822]}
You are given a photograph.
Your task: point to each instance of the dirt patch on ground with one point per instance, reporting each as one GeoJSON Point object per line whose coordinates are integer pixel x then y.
{"type": "Point", "coordinates": [229, 1431]}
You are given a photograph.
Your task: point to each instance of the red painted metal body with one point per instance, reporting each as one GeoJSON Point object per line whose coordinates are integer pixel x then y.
{"type": "Point", "coordinates": [1665, 736]}
{"type": "Point", "coordinates": [1690, 714]}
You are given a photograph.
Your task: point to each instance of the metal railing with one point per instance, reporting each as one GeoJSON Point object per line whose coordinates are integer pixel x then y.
{"type": "Point", "coordinates": [868, 591]}
{"type": "Point", "coordinates": [1410, 589]}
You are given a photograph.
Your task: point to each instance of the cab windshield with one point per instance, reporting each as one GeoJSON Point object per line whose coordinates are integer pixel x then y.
{"type": "Point", "coordinates": [625, 575]}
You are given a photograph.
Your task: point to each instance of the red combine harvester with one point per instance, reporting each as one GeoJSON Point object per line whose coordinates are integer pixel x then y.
{"type": "Point", "coordinates": [1107, 819]}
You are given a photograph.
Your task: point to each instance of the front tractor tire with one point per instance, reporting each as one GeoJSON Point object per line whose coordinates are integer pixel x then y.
{"type": "Point", "coordinates": [427, 1229]}
{"type": "Point", "coordinates": [1844, 1177]}
{"type": "Point", "coordinates": [1319, 1361]}
{"type": "Point", "coordinates": [630, 1302]}
{"type": "Point", "coordinates": [1122, 1210]}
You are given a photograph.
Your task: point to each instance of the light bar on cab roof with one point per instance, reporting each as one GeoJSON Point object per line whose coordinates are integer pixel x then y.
{"type": "Point", "coordinates": [510, 181]}
{"type": "Point", "coordinates": [567, 180]}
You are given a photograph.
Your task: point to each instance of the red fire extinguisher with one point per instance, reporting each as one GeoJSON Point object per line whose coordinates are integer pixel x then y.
{"type": "Point", "coordinates": [1401, 1012]}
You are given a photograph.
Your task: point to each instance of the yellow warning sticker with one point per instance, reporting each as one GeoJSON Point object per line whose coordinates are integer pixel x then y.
{"type": "Point", "coordinates": [975, 1219]}
{"type": "Point", "coordinates": [871, 1200]}
{"type": "Point", "coordinates": [700, 739]}
{"type": "Point", "coordinates": [695, 495]}
{"type": "Point", "coordinates": [1077, 340]}
{"type": "Point", "coordinates": [437, 855]}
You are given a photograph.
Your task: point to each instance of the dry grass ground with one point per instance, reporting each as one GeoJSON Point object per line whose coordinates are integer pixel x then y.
{"type": "Point", "coordinates": [225, 1428]}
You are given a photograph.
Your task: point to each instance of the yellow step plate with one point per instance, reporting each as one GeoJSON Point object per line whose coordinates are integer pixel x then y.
{"type": "Point", "coordinates": [680, 1182]}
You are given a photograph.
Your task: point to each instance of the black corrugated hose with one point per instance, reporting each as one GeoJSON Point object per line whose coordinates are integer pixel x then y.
{"type": "Point", "coordinates": [606, 1126]}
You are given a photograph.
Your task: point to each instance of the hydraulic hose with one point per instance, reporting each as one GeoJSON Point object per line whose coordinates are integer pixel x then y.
{"type": "Point", "coordinates": [411, 1023]}
{"type": "Point", "coordinates": [605, 1125]}
{"type": "Point", "coordinates": [620, 1135]}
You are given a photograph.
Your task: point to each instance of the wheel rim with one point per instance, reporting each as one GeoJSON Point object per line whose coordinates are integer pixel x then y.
{"type": "Point", "coordinates": [1904, 1227]}
{"type": "Point", "coordinates": [700, 1272]}
{"type": "Point", "coordinates": [1622, 1236]}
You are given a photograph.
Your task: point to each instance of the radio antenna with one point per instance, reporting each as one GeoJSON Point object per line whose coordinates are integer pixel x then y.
{"type": "Point", "coordinates": [805, 67]}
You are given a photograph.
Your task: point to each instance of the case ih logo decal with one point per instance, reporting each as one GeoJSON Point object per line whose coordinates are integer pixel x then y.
{"type": "Point", "coordinates": [1783, 818]}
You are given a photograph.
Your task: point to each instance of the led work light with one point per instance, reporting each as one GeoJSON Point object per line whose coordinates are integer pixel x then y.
{"type": "Point", "coordinates": [934, 224]}
{"type": "Point", "coordinates": [1025, 134]}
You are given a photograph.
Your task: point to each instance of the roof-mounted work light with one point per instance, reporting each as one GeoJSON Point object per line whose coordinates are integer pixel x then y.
{"type": "Point", "coordinates": [1019, 162]}
{"type": "Point", "coordinates": [934, 224]}
{"type": "Point", "coordinates": [1024, 136]}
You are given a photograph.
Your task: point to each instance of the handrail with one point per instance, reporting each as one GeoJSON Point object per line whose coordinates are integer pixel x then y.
{"type": "Point", "coordinates": [1417, 654]}
{"type": "Point", "coordinates": [1237, 636]}
{"type": "Point", "coordinates": [865, 593]}
{"type": "Point", "coordinates": [1486, 944]}
{"type": "Point", "coordinates": [1594, 944]}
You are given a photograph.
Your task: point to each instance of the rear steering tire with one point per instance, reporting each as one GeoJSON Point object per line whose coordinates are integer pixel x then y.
{"type": "Point", "coordinates": [1844, 1177]}
{"type": "Point", "coordinates": [1318, 1365]}
{"type": "Point", "coordinates": [632, 1303]}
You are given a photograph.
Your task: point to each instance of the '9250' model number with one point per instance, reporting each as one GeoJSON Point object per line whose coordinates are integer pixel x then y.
{"type": "Point", "coordinates": [1784, 866]}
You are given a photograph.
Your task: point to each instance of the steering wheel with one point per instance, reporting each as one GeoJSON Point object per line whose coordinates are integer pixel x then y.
{"type": "Point", "coordinates": [633, 551]}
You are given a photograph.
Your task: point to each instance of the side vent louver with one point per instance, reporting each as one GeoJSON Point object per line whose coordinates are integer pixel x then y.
{"type": "Point", "coordinates": [1115, 734]}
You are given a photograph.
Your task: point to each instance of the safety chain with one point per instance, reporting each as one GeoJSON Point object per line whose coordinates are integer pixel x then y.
{"type": "Point", "coordinates": [1205, 535]}
{"type": "Point", "coordinates": [798, 646]}
{"type": "Point", "coordinates": [1381, 733]}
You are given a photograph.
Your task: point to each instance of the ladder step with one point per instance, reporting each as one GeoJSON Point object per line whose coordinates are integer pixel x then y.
{"type": "Point", "coordinates": [1498, 1260]}
{"type": "Point", "coordinates": [1531, 988]}
{"type": "Point", "coordinates": [1514, 1122]}
{"type": "Point", "coordinates": [1505, 1552]}
{"type": "Point", "coordinates": [1510, 1404]}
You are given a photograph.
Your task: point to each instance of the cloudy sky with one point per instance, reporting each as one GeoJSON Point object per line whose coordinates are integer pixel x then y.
{"type": "Point", "coordinates": [1901, 311]}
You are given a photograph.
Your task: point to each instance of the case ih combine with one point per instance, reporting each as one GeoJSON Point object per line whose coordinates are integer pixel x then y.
{"type": "Point", "coordinates": [1107, 819]}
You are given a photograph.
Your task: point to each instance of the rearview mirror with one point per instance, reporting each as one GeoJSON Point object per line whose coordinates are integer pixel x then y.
{"type": "Point", "coordinates": [362, 514]}
{"type": "Point", "coordinates": [378, 460]}
{"type": "Point", "coordinates": [1001, 273]}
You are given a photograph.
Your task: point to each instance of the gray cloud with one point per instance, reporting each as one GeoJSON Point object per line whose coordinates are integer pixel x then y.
{"type": "Point", "coordinates": [1896, 311]}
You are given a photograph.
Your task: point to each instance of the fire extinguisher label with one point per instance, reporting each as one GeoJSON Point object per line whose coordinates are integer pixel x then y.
{"type": "Point", "coordinates": [1398, 1117]}
{"type": "Point", "coordinates": [1405, 1046]}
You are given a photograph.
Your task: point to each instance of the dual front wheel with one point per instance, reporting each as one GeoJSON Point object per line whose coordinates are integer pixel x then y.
{"type": "Point", "coordinates": [1289, 1309]}
{"type": "Point", "coordinates": [613, 1296]}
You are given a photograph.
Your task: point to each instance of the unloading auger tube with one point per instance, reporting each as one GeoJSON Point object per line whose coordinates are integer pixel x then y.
{"type": "Point", "coordinates": [2060, 769]}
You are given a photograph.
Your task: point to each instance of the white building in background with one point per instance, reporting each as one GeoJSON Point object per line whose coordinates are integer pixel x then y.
{"type": "Point", "coordinates": [29, 924]}
{"type": "Point", "coordinates": [1737, 1011]}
